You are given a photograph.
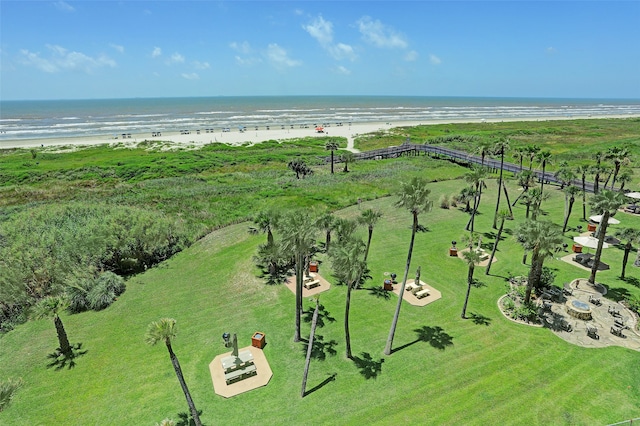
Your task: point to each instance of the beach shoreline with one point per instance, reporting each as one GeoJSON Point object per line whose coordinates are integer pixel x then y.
{"type": "Point", "coordinates": [200, 137]}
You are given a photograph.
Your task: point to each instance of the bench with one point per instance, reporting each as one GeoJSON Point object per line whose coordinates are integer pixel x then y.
{"type": "Point", "coordinates": [412, 286]}
{"type": "Point", "coordinates": [620, 323]}
{"type": "Point", "coordinates": [595, 301]}
{"type": "Point", "coordinates": [422, 293]}
{"type": "Point", "coordinates": [312, 284]}
{"type": "Point", "coordinates": [240, 374]}
{"type": "Point", "coordinates": [617, 331]}
{"type": "Point", "coordinates": [565, 326]}
{"type": "Point", "coordinates": [614, 311]}
{"type": "Point", "coordinates": [592, 332]}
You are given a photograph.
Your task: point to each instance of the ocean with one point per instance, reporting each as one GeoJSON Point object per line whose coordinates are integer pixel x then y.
{"type": "Point", "coordinates": [109, 117]}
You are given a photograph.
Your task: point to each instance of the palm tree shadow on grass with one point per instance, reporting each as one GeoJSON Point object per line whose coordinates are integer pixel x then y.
{"type": "Point", "coordinates": [379, 292]}
{"type": "Point", "coordinates": [60, 360]}
{"type": "Point", "coordinates": [320, 348]}
{"type": "Point", "coordinates": [632, 280]}
{"type": "Point", "coordinates": [323, 316]}
{"type": "Point", "coordinates": [435, 336]}
{"type": "Point", "coordinates": [480, 319]}
{"type": "Point", "coordinates": [369, 367]}
{"type": "Point", "coordinates": [186, 419]}
{"type": "Point", "coordinates": [331, 378]}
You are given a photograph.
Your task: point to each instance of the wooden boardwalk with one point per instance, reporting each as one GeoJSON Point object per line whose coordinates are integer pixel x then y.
{"type": "Point", "coordinates": [458, 157]}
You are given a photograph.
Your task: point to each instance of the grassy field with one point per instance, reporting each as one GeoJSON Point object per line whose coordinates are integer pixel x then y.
{"type": "Point", "coordinates": [445, 370]}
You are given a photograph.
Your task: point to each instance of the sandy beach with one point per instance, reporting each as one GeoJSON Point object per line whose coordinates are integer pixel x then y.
{"type": "Point", "coordinates": [199, 137]}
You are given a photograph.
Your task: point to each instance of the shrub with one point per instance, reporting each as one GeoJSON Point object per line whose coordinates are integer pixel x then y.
{"type": "Point", "coordinates": [8, 389]}
{"type": "Point", "coordinates": [444, 202]}
{"type": "Point", "coordinates": [105, 290]}
{"type": "Point", "coordinates": [454, 201]}
{"type": "Point", "coordinates": [508, 304]}
{"type": "Point", "coordinates": [526, 312]}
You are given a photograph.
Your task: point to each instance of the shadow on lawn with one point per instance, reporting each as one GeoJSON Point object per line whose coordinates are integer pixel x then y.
{"type": "Point", "coordinates": [479, 319]}
{"type": "Point", "coordinates": [632, 280]}
{"type": "Point", "coordinates": [320, 348]}
{"type": "Point", "coordinates": [435, 336]}
{"type": "Point", "coordinates": [369, 367]}
{"type": "Point", "coordinates": [60, 360]}
{"type": "Point", "coordinates": [617, 294]}
{"type": "Point", "coordinates": [331, 378]}
{"type": "Point", "coordinates": [379, 292]}
{"type": "Point", "coordinates": [323, 316]}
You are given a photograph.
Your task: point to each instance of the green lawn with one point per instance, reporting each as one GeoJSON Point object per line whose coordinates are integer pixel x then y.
{"type": "Point", "coordinates": [491, 371]}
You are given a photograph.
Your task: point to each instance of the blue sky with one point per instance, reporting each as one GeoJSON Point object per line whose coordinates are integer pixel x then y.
{"type": "Point", "coordinates": [121, 49]}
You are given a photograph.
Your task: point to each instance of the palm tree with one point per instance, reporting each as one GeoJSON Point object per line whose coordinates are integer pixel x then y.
{"type": "Point", "coordinates": [565, 174]}
{"type": "Point", "coordinates": [471, 257]}
{"type": "Point", "coordinates": [569, 198]}
{"type": "Point", "coordinates": [607, 204]}
{"type": "Point", "coordinates": [331, 146]}
{"type": "Point", "coordinates": [52, 307]}
{"type": "Point", "coordinates": [526, 181]}
{"type": "Point", "coordinates": [265, 221]}
{"type": "Point", "coordinates": [414, 196]}
{"type": "Point", "coordinates": [347, 157]}
{"type": "Point", "coordinates": [620, 157]}
{"type": "Point", "coordinates": [476, 178]}
{"type": "Point", "coordinates": [537, 197]}
{"type": "Point", "coordinates": [165, 330]}
{"type": "Point", "coordinates": [624, 178]}
{"type": "Point", "coordinates": [532, 151]}
{"type": "Point", "coordinates": [348, 264]}
{"type": "Point", "coordinates": [519, 153]}
{"type": "Point", "coordinates": [630, 235]}
{"type": "Point", "coordinates": [344, 228]}
{"type": "Point", "coordinates": [545, 158]}
{"type": "Point", "coordinates": [483, 148]}
{"type": "Point", "coordinates": [502, 215]}
{"type": "Point", "coordinates": [597, 170]}
{"type": "Point", "coordinates": [300, 168]}
{"type": "Point", "coordinates": [326, 224]}
{"type": "Point", "coordinates": [583, 171]}
{"type": "Point", "coordinates": [369, 218]}
{"type": "Point", "coordinates": [297, 239]}
{"type": "Point", "coordinates": [499, 148]}
{"type": "Point", "coordinates": [541, 238]}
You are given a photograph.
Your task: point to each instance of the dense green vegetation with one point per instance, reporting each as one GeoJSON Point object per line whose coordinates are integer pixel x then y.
{"type": "Point", "coordinates": [444, 370]}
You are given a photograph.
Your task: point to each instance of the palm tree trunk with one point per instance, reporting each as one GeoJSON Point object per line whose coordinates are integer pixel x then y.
{"type": "Point", "coordinates": [615, 175]}
{"type": "Point", "coordinates": [534, 274]}
{"type": "Point", "coordinates": [566, 219]}
{"type": "Point", "coordinates": [544, 166]}
{"type": "Point", "coordinates": [596, 260]}
{"type": "Point", "coordinates": [625, 259]}
{"type": "Point", "coordinates": [495, 215]}
{"type": "Point", "coordinates": [596, 183]}
{"type": "Point", "coordinates": [327, 241]}
{"type": "Point", "coordinates": [299, 280]}
{"type": "Point", "coordinates": [506, 195]}
{"type": "Point", "coordinates": [314, 321]}
{"type": "Point", "coordinates": [63, 339]}
{"type": "Point", "coordinates": [183, 384]}
{"type": "Point", "coordinates": [476, 203]}
{"type": "Point", "coordinates": [394, 323]}
{"type": "Point", "coordinates": [495, 246]}
{"type": "Point", "coordinates": [366, 251]}
{"type": "Point", "coordinates": [584, 198]}
{"type": "Point", "coordinates": [347, 334]}
{"type": "Point", "coordinates": [466, 299]}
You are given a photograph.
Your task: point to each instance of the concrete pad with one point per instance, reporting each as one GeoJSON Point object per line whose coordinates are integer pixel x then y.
{"type": "Point", "coordinates": [262, 377]}
{"type": "Point", "coordinates": [324, 285]}
{"type": "Point", "coordinates": [413, 300]}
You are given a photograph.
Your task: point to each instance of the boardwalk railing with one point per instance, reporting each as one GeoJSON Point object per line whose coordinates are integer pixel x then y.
{"type": "Point", "coordinates": [461, 157]}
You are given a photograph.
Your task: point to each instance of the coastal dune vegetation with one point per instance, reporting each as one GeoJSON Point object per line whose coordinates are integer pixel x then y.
{"type": "Point", "coordinates": [174, 223]}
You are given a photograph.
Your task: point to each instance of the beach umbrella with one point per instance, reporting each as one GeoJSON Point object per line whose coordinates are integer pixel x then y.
{"type": "Point", "coordinates": [319, 129]}
{"type": "Point", "coordinates": [590, 242]}
{"type": "Point", "coordinates": [635, 195]}
{"type": "Point", "coordinates": [598, 218]}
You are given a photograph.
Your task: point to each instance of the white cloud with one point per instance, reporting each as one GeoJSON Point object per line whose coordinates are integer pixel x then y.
{"type": "Point", "coordinates": [190, 76]}
{"type": "Point", "coordinates": [156, 52]}
{"type": "Point", "coordinates": [411, 56]}
{"type": "Point", "coordinates": [434, 59]}
{"type": "Point", "coordinates": [342, 70]}
{"type": "Point", "coordinates": [64, 6]}
{"type": "Point", "coordinates": [176, 58]}
{"type": "Point", "coordinates": [63, 59]}
{"type": "Point", "coordinates": [201, 65]}
{"type": "Point", "coordinates": [280, 58]}
{"type": "Point", "coordinates": [551, 50]}
{"type": "Point", "coordinates": [322, 31]}
{"type": "Point", "coordinates": [376, 33]}
{"type": "Point", "coordinates": [117, 47]}
{"type": "Point", "coordinates": [243, 47]}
